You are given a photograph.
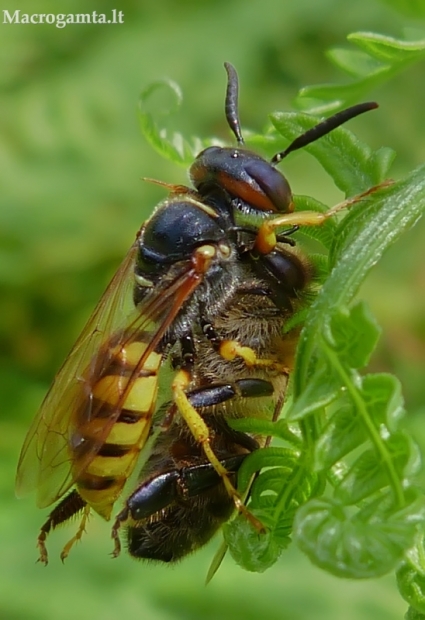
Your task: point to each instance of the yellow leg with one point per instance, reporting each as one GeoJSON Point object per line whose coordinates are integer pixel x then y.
{"type": "Point", "coordinates": [230, 349]}
{"type": "Point", "coordinates": [266, 238]}
{"type": "Point", "coordinates": [78, 535]}
{"type": "Point", "coordinates": [202, 434]}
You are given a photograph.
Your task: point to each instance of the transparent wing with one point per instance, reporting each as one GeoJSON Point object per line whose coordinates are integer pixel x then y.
{"type": "Point", "coordinates": [45, 463]}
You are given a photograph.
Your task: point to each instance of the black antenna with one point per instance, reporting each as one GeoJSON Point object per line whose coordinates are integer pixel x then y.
{"type": "Point", "coordinates": [231, 105]}
{"type": "Point", "coordinates": [323, 128]}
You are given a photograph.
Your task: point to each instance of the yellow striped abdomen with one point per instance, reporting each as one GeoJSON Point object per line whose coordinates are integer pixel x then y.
{"type": "Point", "coordinates": [102, 481]}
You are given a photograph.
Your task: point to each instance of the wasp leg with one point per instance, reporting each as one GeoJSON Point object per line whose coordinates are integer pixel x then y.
{"type": "Point", "coordinates": [119, 520]}
{"type": "Point", "coordinates": [80, 532]}
{"type": "Point", "coordinates": [71, 505]}
{"type": "Point", "coordinates": [201, 433]}
{"type": "Point", "coordinates": [160, 491]}
{"type": "Point", "coordinates": [266, 237]}
{"type": "Point", "coordinates": [161, 494]}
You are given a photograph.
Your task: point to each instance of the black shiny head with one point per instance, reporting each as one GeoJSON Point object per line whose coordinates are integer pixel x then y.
{"type": "Point", "coordinates": [246, 176]}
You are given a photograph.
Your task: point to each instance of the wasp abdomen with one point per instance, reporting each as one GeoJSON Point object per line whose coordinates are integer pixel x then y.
{"type": "Point", "coordinates": [103, 479]}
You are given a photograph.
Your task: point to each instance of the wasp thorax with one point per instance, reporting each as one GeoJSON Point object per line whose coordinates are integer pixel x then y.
{"type": "Point", "coordinates": [244, 175]}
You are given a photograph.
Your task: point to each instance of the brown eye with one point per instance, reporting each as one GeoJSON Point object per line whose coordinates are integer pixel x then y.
{"type": "Point", "coordinates": [272, 183]}
{"type": "Point", "coordinates": [244, 175]}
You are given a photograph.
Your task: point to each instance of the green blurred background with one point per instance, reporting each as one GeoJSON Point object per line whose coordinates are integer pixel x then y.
{"type": "Point", "coordinates": [72, 199]}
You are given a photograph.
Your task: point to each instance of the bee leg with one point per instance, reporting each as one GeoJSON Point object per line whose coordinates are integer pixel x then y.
{"type": "Point", "coordinates": [231, 349]}
{"type": "Point", "coordinates": [218, 393]}
{"type": "Point", "coordinates": [202, 434]}
{"type": "Point", "coordinates": [71, 505]}
{"type": "Point", "coordinates": [77, 537]}
{"type": "Point", "coordinates": [266, 237]}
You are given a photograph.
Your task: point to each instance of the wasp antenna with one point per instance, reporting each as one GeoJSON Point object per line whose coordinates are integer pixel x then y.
{"type": "Point", "coordinates": [231, 105]}
{"type": "Point", "coordinates": [325, 127]}
{"type": "Point", "coordinates": [172, 187]}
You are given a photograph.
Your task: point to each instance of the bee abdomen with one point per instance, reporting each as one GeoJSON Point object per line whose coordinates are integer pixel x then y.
{"type": "Point", "coordinates": [134, 395]}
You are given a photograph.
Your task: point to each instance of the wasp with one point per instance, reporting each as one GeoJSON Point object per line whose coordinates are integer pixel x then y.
{"type": "Point", "coordinates": [189, 334]}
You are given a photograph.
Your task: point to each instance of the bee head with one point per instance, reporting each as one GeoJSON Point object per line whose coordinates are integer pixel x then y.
{"type": "Point", "coordinates": [244, 175]}
{"type": "Point", "coordinates": [247, 176]}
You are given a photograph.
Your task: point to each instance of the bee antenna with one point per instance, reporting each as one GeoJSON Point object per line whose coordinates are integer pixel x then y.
{"type": "Point", "coordinates": [231, 105]}
{"type": "Point", "coordinates": [323, 128]}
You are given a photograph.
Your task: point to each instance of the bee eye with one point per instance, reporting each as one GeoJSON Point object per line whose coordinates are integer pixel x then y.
{"type": "Point", "coordinates": [244, 175]}
{"type": "Point", "coordinates": [272, 184]}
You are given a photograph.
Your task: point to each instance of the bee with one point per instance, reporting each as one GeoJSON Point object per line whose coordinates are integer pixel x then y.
{"type": "Point", "coordinates": [189, 333]}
